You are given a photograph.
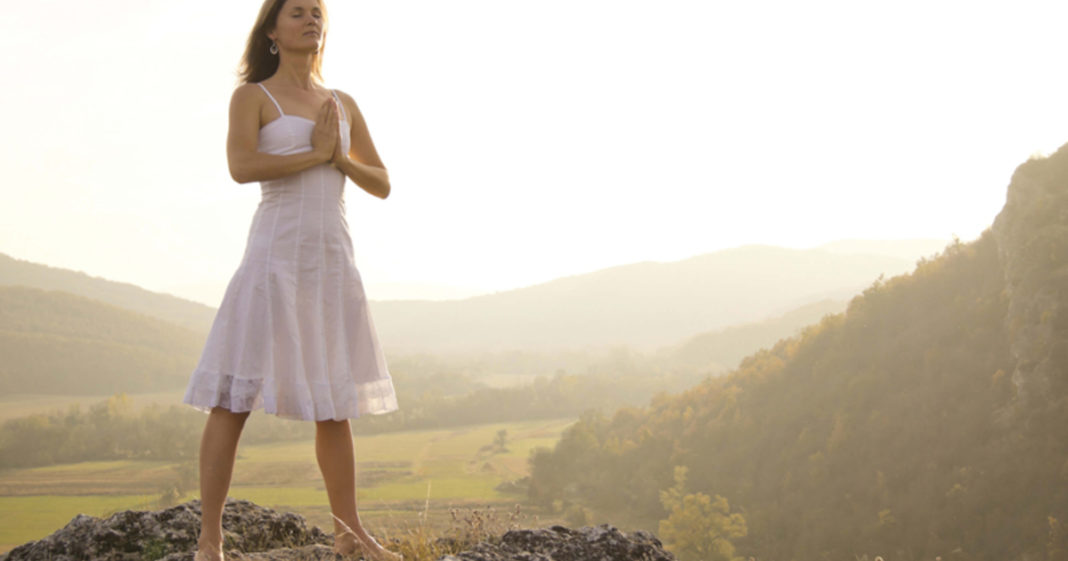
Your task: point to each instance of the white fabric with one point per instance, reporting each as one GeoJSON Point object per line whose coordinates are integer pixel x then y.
{"type": "Point", "coordinates": [293, 333]}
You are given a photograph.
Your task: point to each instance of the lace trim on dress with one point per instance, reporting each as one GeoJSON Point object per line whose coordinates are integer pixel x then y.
{"type": "Point", "coordinates": [342, 401]}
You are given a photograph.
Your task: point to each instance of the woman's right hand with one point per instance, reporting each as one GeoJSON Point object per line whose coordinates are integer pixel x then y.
{"type": "Point", "coordinates": [325, 135]}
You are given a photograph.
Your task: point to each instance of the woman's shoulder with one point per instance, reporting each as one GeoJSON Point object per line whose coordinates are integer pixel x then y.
{"type": "Point", "coordinates": [247, 90]}
{"type": "Point", "coordinates": [249, 96]}
{"type": "Point", "coordinates": [348, 101]}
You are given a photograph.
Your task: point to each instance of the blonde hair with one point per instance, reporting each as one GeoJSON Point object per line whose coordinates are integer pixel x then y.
{"type": "Point", "coordinates": [258, 64]}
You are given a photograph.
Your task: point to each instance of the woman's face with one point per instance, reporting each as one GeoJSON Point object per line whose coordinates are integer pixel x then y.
{"type": "Point", "coordinates": [299, 26]}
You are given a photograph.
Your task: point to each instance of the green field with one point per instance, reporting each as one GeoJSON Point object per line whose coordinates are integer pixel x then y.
{"type": "Point", "coordinates": [395, 472]}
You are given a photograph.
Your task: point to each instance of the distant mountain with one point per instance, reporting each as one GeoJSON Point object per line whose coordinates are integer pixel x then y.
{"type": "Point", "coordinates": [426, 291]}
{"type": "Point", "coordinates": [188, 314]}
{"type": "Point", "coordinates": [55, 342]}
{"type": "Point", "coordinates": [645, 305]}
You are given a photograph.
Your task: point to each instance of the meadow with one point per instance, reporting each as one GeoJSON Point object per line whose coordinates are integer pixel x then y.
{"type": "Point", "coordinates": [405, 480]}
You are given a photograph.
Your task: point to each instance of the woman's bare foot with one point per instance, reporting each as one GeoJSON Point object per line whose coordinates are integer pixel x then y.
{"type": "Point", "coordinates": [345, 544]}
{"type": "Point", "coordinates": [208, 553]}
{"type": "Point", "coordinates": [379, 553]}
{"type": "Point", "coordinates": [353, 543]}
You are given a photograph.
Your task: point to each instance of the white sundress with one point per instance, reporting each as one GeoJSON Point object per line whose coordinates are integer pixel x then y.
{"type": "Point", "coordinates": [293, 333]}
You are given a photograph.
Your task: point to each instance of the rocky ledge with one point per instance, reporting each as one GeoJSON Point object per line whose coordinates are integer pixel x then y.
{"type": "Point", "coordinates": [170, 534]}
{"type": "Point", "coordinates": [257, 533]}
{"type": "Point", "coordinates": [597, 543]}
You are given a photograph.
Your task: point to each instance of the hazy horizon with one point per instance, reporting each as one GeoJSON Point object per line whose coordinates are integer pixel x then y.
{"type": "Point", "coordinates": [211, 294]}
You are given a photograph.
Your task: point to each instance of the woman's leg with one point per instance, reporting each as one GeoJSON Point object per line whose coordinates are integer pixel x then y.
{"type": "Point", "coordinates": [218, 449]}
{"type": "Point", "coordinates": [337, 461]}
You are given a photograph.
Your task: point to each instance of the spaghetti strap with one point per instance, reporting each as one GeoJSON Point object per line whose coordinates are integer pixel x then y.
{"type": "Point", "coordinates": [279, 107]}
{"type": "Point", "coordinates": [340, 106]}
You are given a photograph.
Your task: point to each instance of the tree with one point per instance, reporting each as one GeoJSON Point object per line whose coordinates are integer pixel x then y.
{"type": "Point", "coordinates": [699, 527]}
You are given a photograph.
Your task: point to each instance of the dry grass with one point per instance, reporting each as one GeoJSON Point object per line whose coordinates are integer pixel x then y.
{"type": "Point", "coordinates": [467, 527]}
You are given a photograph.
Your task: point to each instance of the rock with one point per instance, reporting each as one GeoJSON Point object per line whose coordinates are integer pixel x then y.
{"type": "Point", "coordinates": [171, 534]}
{"type": "Point", "coordinates": [1032, 236]}
{"type": "Point", "coordinates": [558, 543]}
{"type": "Point", "coordinates": [256, 533]}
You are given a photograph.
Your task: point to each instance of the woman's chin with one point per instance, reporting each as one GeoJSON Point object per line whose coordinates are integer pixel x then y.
{"type": "Point", "coordinates": [306, 47]}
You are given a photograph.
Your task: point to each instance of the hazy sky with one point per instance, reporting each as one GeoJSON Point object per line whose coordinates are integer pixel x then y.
{"type": "Point", "coordinates": [531, 140]}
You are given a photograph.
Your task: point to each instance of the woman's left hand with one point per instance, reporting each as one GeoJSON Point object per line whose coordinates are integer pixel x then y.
{"type": "Point", "coordinates": [340, 155]}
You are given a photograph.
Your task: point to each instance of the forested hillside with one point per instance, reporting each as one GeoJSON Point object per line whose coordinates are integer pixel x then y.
{"type": "Point", "coordinates": [930, 419]}
{"type": "Point", "coordinates": [55, 342]}
{"type": "Point", "coordinates": [191, 315]}
{"type": "Point", "coordinates": [721, 350]}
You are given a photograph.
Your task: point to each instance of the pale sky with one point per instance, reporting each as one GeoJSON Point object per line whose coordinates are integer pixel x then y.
{"type": "Point", "coordinates": [531, 140]}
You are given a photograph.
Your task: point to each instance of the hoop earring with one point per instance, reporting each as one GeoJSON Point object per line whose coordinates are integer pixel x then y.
{"type": "Point", "coordinates": [274, 48]}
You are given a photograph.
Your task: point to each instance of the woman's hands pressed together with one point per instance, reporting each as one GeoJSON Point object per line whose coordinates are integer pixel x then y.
{"type": "Point", "coordinates": [326, 136]}
{"type": "Point", "coordinates": [339, 153]}
{"type": "Point", "coordinates": [362, 164]}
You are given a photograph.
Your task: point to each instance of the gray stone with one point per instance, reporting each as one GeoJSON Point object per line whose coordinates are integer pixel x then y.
{"type": "Point", "coordinates": [255, 533]}
{"type": "Point", "coordinates": [171, 534]}
{"type": "Point", "coordinates": [558, 543]}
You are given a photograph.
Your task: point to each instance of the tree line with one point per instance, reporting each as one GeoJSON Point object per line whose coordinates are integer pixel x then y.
{"type": "Point", "coordinates": [114, 429]}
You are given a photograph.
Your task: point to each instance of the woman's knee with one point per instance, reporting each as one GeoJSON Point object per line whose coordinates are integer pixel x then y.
{"type": "Point", "coordinates": [331, 424]}
{"type": "Point", "coordinates": [230, 415]}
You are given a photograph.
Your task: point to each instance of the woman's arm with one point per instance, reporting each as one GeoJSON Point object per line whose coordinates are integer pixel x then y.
{"type": "Point", "coordinates": [362, 164]}
{"type": "Point", "coordinates": [248, 164]}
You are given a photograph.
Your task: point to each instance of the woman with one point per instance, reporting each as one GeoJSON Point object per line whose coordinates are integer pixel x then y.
{"type": "Point", "coordinates": [293, 334]}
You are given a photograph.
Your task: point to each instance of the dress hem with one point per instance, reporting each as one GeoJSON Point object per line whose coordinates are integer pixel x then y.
{"type": "Point", "coordinates": [208, 390]}
{"type": "Point", "coordinates": [206, 409]}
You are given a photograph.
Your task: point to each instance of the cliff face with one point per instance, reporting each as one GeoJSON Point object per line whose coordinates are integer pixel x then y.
{"type": "Point", "coordinates": [1032, 237]}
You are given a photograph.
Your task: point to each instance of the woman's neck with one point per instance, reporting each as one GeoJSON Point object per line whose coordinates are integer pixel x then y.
{"type": "Point", "coordinates": [296, 72]}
